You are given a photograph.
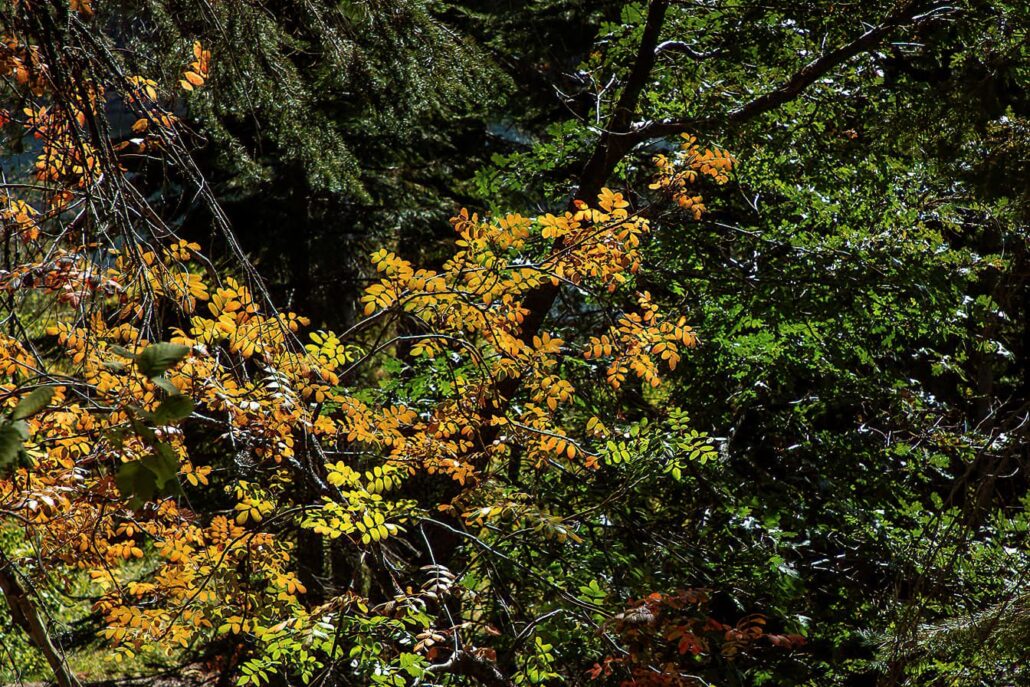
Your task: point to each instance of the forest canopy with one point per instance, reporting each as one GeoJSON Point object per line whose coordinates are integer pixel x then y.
{"type": "Point", "coordinates": [547, 342]}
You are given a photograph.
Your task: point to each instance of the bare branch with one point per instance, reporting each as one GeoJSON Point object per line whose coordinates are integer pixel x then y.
{"type": "Point", "coordinates": [469, 664]}
{"type": "Point", "coordinates": [685, 49]}
{"type": "Point", "coordinates": [792, 87]}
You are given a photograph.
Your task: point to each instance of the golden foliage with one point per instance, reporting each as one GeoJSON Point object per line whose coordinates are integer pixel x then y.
{"type": "Point", "coordinates": [276, 410]}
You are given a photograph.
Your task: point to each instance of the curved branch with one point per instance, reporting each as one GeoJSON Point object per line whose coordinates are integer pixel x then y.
{"type": "Point", "coordinates": [792, 87]}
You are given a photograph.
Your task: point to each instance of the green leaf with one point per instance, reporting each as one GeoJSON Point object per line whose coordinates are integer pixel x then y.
{"type": "Point", "coordinates": [632, 14]}
{"type": "Point", "coordinates": [142, 480]}
{"type": "Point", "coordinates": [158, 357]}
{"type": "Point", "coordinates": [163, 463]}
{"type": "Point", "coordinates": [12, 439]}
{"type": "Point", "coordinates": [165, 385]}
{"type": "Point", "coordinates": [36, 401]}
{"type": "Point", "coordinates": [135, 481]}
{"type": "Point", "coordinates": [122, 351]}
{"type": "Point", "coordinates": [143, 431]}
{"type": "Point", "coordinates": [173, 409]}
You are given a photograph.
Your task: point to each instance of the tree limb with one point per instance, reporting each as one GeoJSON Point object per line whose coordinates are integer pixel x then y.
{"type": "Point", "coordinates": [793, 86]}
{"type": "Point", "coordinates": [613, 145]}
{"type": "Point", "coordinates": [685, 49]}
{"type": "Point", "coordinates": [468, 664]}
{"type": "Point", "coordinates": [26, 616]}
